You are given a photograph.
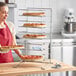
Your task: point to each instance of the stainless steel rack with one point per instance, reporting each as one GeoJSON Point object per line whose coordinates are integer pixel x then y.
{"type": "Point", "coordinates": [47, 19]}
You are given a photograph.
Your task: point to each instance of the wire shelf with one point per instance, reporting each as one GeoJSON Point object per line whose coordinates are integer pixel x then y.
{"type": "Point", "coordinates": [37, 19]}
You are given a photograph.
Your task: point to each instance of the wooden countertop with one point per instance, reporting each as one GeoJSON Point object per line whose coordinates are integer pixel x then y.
{"type": "Point", "coordinates": [7, 69]}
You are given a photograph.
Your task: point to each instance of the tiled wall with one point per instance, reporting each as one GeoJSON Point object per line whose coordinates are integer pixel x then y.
{"type": "Point", "coordinates": [58, 7]}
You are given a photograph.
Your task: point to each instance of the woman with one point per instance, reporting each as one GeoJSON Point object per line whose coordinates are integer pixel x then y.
{"type": "Point", "coordinates": [7, 35]}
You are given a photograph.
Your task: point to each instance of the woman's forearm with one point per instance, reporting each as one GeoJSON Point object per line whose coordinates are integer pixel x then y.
{"type": "Point", "coordinates": [18, 52]}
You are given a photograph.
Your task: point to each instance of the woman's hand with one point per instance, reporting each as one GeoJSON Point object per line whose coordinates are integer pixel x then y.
{"type": "Point", "coordinates": [4, 50]}
{"type": "Point", "coordinates": [0, 45]}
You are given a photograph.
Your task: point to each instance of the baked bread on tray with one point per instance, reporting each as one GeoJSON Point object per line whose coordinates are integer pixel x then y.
{"type": "Point", "coordinates": [32, 57]}
{"type": "Point", "coordinates": [34, 25]}
{"type": "Point", "coordinates": [34, 36]}
{"type": "Point", "coordinates": [4, 49]}
{"type": "Point", "coordinates": [33, 14]}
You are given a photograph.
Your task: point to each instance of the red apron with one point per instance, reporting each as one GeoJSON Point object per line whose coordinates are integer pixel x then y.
{"type": "Point", "coordinates": [6, 39]}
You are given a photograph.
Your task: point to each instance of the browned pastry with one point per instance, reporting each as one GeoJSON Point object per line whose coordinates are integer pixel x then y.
{"type": "Point", "coordinates": [34, 25]}
{"type": "Point", "coordinates": [34, 14]}
{"type": "Point", "coordinates": [32, 57]}
{"type": "Point", "coordinates": [34, 36]}
{"type": "Point", "coordinates": [12, 47]}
